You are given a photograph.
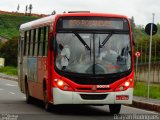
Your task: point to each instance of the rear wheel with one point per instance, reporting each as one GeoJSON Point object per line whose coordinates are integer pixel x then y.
{"type": "Point", "coordinates": [47, 105]}
{"type": "Point", "coordinates": [28, 97]}
{"type": "Point", "coordinates": [115, 108]}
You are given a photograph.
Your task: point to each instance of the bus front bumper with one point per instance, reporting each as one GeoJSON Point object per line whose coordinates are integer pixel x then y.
{"type": "Point", "coordinates": [71, 97]}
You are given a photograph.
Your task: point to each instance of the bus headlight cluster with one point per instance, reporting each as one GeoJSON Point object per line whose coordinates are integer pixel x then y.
{"type": "Point", "coordinates": [125, 85]}
{"type": "Point", "coordinates": [62, 85]}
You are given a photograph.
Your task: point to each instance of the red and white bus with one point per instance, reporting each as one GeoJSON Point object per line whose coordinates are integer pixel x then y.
{"type": "Point", "coordinates": [77, 58]}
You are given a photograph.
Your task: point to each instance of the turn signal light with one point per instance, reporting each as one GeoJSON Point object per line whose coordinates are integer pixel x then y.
{"type": "Point", "coordinates": [62, 85]}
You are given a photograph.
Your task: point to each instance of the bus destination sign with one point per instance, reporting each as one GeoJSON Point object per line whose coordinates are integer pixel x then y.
{"type": "Point", "coordinates": [93, 24]}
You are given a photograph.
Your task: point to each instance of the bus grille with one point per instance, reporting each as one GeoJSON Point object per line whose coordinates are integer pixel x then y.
{"type": "Point", "coordinates": [90, 89]}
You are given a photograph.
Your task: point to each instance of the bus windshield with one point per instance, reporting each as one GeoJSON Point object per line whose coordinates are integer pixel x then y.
{"type": "Point", "coordinates": [93, 53]}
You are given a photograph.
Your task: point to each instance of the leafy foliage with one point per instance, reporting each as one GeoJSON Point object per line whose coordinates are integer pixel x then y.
{"type": "Point", "coordinates": [9, 28]}
{"type": "Point", "coordinates": [9, 50]}
{"type": "Point", "coordinates": [9, 70]}
{"type": "Point", "coordinates": [9, 24]}
{"type": "Point", "coordinates": [142, 41]}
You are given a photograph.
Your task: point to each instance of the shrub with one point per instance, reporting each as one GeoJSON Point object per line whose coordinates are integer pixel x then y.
{"type": "Point", "coordinates": [9, 51]}
{"type": "Point", "coordinates": [9, 70]}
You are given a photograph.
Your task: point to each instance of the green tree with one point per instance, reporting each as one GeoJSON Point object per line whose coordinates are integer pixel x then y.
{"type": "Point", "coordinates": [8, 50]}
{"type": "Point", "coordinates": [18, 8]}
{"type": "Point", "coordinates": [132, 23]}
{"type": "Point", "coordinates": [54, 12]}
{"type": "Point", "coordinates": [26, 9]}
{"type": "Point", "coordinates": [30, 9]}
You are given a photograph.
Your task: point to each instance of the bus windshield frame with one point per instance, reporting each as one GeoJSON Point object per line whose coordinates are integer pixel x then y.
{"type": "Point", "coordinates": [109, 33]}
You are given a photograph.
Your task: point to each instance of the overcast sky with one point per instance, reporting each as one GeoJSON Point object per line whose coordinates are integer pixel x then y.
{"type": "Point", "coordinates": [141, 9]}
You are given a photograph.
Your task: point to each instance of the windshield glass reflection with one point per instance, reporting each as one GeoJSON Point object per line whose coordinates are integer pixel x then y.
{"type": "Point", "coordinates": [93, 53]}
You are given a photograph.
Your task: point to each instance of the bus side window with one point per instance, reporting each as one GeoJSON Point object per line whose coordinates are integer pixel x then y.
{"type": "Point", "coordinates": [29, 42]}
{"type": "Point", "coordinates": [39, 40]}
{"type": "Point", "coordinates": [36, 43]}
{"type": "Point", "coordinates": [45, 42]}
{"type": "Point", "coordinates": [25, 43]}
{"type": "Point", "coordinates": [34, 39]}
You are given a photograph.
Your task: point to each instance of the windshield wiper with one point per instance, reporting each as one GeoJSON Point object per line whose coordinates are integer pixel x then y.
{"type": "Point", "coordinates": [82, 41]}
{"type": "Point", "coordinates": [105, 40]}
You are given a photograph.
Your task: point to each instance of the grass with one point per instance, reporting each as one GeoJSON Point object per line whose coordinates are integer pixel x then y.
{"type": "Point", "coordinates": [9, 70]}
{"type": "Point", "coordinates": [9, 24]}
{"type": "Point", "coordinates": [140, 89]}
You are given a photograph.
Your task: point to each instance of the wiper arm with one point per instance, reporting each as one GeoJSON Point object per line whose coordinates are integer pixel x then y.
{"type": "Point", "coordinates": [82, 41]}
{"type": "Point", "coordinates": [105, 40]}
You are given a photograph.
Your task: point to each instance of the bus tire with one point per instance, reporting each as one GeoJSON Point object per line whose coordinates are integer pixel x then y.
{"type": "Point", "coordinates": [115, 108]}
{"type": "Point", "coordinates": [47, 105]}
{"type": "Point", "coordinates": [28, 97]}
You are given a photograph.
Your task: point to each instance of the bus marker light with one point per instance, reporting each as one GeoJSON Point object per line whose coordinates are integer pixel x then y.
{"type": "Point", "coordinates": [65, 87]}
{"type": "Point", "coordinates": [121, 88]}
{"type": "Point", "coordinates": [131, 80]}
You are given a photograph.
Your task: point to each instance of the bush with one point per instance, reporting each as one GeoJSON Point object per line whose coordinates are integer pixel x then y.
{"type": "Point", "coordinates": [140, 89]}
{"type": "Point", "coordinates": [9, 51]}
{"type": "Point", "coordinates": [9, 70]}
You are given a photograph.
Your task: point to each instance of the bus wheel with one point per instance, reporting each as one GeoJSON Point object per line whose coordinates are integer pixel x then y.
{"type": "Point", "coordinates": [47, 105]}
{"type": "Point", "coordinates": [28, 97]}
{"type": "Point", "coordinates": [115, 108]}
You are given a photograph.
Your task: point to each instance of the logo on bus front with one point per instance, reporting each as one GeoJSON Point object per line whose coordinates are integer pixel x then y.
{"type": "Point", "coordinates": [102, 86]}
{"type": "Point", "coordinates": [94, 88]}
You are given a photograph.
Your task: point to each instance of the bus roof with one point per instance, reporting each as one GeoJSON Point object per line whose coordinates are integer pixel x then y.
{"type": "Point", "coordinates": [94, 14]}
{"type": "Point", "coordinates": [39, 22]}
{"type": "Point", "coordinates": [50, 19]}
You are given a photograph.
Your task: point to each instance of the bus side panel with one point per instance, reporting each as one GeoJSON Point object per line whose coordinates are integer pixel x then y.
{"type": "Point", "coordinates": [25, 73]}
{"type": "Point", "coordinates": [36, 72]}
{"type": "Point", "coordinates": [41, 76]}
{"type": "Point", "coordinates": [35, 69]}
{"type": "Point", "coordinates": [20, 63]}
{"type": "Point", "coordinates": [32, 69]}
{"type": "Point", "coordinates": [32, 75]}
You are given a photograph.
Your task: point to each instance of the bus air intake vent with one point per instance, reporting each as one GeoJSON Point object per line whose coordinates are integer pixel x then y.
{"type": "Point", "coordinates": [93, 96]}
